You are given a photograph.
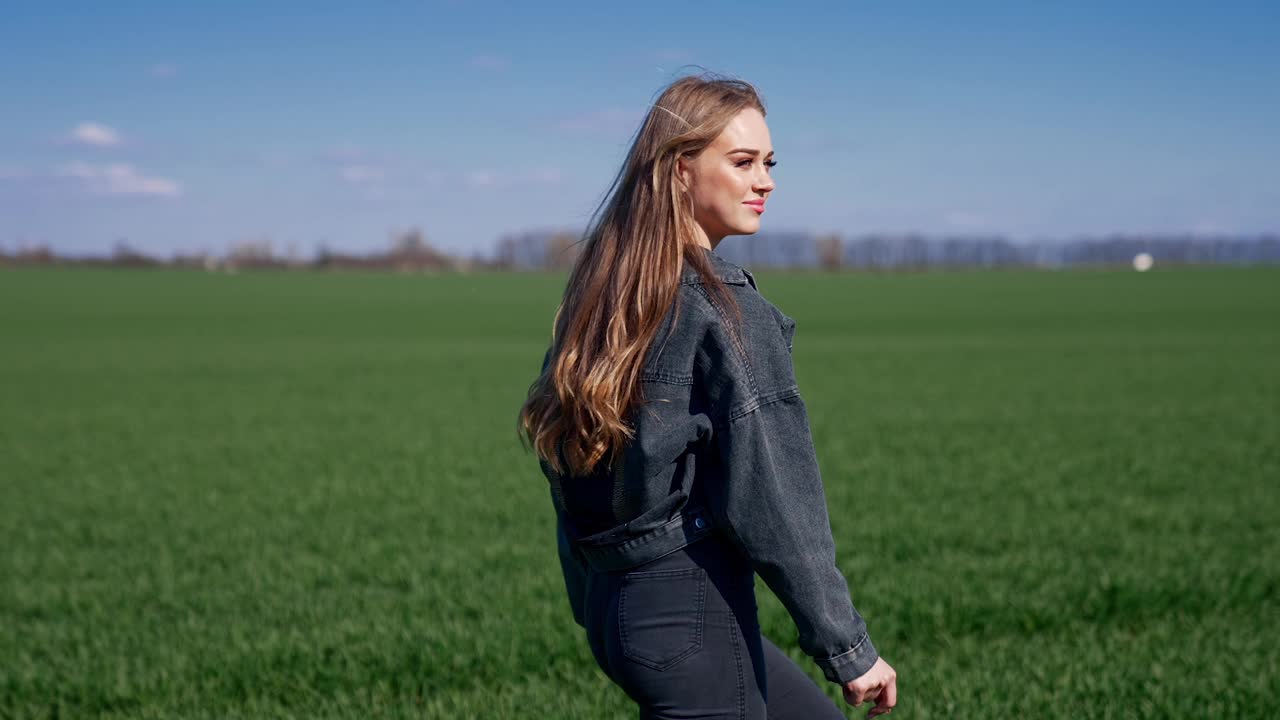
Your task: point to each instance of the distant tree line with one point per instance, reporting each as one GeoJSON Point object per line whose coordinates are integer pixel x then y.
{"type": "Point", "coordinates": [409, 251]}
{"type": "Point", "coordinates": [802, 249]}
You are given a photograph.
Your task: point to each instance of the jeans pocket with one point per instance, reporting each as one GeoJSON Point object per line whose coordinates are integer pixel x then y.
{"type": "Point", "coordinates": [660, 615]}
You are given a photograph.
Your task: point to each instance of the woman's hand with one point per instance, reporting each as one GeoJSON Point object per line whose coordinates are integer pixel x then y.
{"type": "Point", "coordinates": [880, 683]}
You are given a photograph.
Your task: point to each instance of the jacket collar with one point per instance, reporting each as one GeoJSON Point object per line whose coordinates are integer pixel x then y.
{"type": "Point", "coordinates": [725, 270]}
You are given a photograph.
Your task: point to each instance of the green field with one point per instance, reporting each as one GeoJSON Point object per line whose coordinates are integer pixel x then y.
{"type": "Point", "coordinates": [264, 495]}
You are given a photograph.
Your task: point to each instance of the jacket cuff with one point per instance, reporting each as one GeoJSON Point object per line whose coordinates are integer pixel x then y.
{"type": "Point", "coordinates": [849, 665]}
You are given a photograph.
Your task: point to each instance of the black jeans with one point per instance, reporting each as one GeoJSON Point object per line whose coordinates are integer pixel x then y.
{"type": "Point", "coordinates": [680, 636]}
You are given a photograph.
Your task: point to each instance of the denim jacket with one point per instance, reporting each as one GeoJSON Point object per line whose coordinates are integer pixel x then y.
{"type": "Point", "coordinates": [722, 437]}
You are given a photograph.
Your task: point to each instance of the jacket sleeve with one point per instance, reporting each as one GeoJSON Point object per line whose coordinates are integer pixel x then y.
{"type": "Point", "coordinates": [770, 499]}
{"type": "Point", "coordinates": [572, 565]}
{"type": "Point", "coordinates": [574, 570]}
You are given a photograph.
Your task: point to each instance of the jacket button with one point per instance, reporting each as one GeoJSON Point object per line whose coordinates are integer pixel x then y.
{"type": "Point", "coordinates": [699, 523]}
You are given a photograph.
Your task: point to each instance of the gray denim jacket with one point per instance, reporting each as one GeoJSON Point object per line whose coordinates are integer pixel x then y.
{"type": "Point", "coordinates": [722, 445]}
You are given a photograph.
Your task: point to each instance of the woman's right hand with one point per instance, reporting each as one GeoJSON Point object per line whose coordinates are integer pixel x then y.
{"type": "Point", "coordinates": [880, 683]}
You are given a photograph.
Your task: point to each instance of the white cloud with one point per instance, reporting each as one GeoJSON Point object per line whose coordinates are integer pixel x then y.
{"type": "Point", "coordinates": [95, 134]}
{"type": "Point", "coordinates": [345, 153]}
{"type": "Point", "coordinates": [1203, 227]}
{"type": "Point", "coordinates": [546, 175]}
{"type": "Point", "coordinates": [434, 177]}
{"type": "Point", "coordinates": [162, 70]}
{"type": "Point", "coordinates": [610, 121]}
{"type": "Point", "coordinates": [487, 178]}
{"type": "Point", "coordinates": [362, 173]}
{"type": "Point", "coordinates": [486, 61]}
{"type": "Point", "coordinates": [482, 178]}
{"type": "Point", "coordinates": [119, 179]}
{"type": "Point", "coordinates": [964, 220]}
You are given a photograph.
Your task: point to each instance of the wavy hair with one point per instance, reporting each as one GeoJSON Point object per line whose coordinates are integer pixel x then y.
{"type": "Point", "coordinates": [625, 281]}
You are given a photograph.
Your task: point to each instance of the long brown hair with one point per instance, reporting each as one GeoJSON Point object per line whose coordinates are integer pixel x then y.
{"type": "Point", "coordinates": [625, 281]}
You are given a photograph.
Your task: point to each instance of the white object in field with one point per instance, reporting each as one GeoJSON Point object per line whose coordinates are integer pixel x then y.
{"type": "Point", "coordinates": [1142, 262]}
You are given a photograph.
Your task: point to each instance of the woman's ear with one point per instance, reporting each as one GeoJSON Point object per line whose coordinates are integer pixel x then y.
{"type": "Point", "coordinates": [684, 176]}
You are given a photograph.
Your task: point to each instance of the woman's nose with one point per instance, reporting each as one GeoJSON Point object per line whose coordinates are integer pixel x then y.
{"type": "Point", "coordinates": [764, 182]}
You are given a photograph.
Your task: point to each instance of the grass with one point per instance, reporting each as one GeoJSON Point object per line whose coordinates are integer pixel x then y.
{"type": "Point", "coordinates": [1054, 494]}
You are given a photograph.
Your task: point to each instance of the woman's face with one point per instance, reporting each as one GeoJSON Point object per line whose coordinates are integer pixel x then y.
{"type": "Point", "coordinates": [730, 179]}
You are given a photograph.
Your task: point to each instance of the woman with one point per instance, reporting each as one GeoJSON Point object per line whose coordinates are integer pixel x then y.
{"type": "Point", "coordinates": [669, 424]}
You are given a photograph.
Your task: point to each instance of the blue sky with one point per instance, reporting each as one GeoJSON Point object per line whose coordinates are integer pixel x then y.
{"type": "Point", "coordinates": [192, 126]}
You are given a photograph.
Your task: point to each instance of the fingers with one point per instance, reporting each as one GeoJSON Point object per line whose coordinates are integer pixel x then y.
{"type": "Point", "coordinates": [872, 694]}
{"type": "Point", "coordinates": [890, 694]}
{"type": "Point", "coordinates": [855, 695]}
{"type": "Point", "coordinates": [879, 685]}
{"type": "Point", "coordinates": [888, 698]}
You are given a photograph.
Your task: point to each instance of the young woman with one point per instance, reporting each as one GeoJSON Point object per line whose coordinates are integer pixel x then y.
{"type": "Point", "coordinates": [669, 424]}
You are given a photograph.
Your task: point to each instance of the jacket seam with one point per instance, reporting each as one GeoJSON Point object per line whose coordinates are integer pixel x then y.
{"type": "Point", "coordinates": [734, 276]}
{"type": "Point", "coordinates": [742, 354]}
{"type": "Point", "coordinates": [850, 663]}
{"type": "Point", "coordinates": [836, 659]}
{"type": "Point", "coordinates": [724, 278]}
{"type": "Point", "coordinates": [742, 685]}
{"type": "Point", "coordinates": [763, 400]}
{"type": "Point", "coordinates": [667, 377]}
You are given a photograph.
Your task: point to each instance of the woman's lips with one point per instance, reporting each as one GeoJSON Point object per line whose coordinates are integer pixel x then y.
{"type": "Point", "coordinates": [757, 205]}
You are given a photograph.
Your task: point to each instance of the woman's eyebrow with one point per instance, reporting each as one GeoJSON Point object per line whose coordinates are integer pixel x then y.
{"type": "Point", "coordinates": [749, 151]}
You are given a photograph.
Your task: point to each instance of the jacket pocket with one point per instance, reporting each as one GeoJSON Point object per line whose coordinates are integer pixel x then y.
{"type": "Point", "coordinates": [661, 615]}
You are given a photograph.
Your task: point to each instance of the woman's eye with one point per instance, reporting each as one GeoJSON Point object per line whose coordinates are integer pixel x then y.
{"type": "Point", "coordinates": [743, 163]}
{"type": "Point", "coordinates": [771, 163]}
